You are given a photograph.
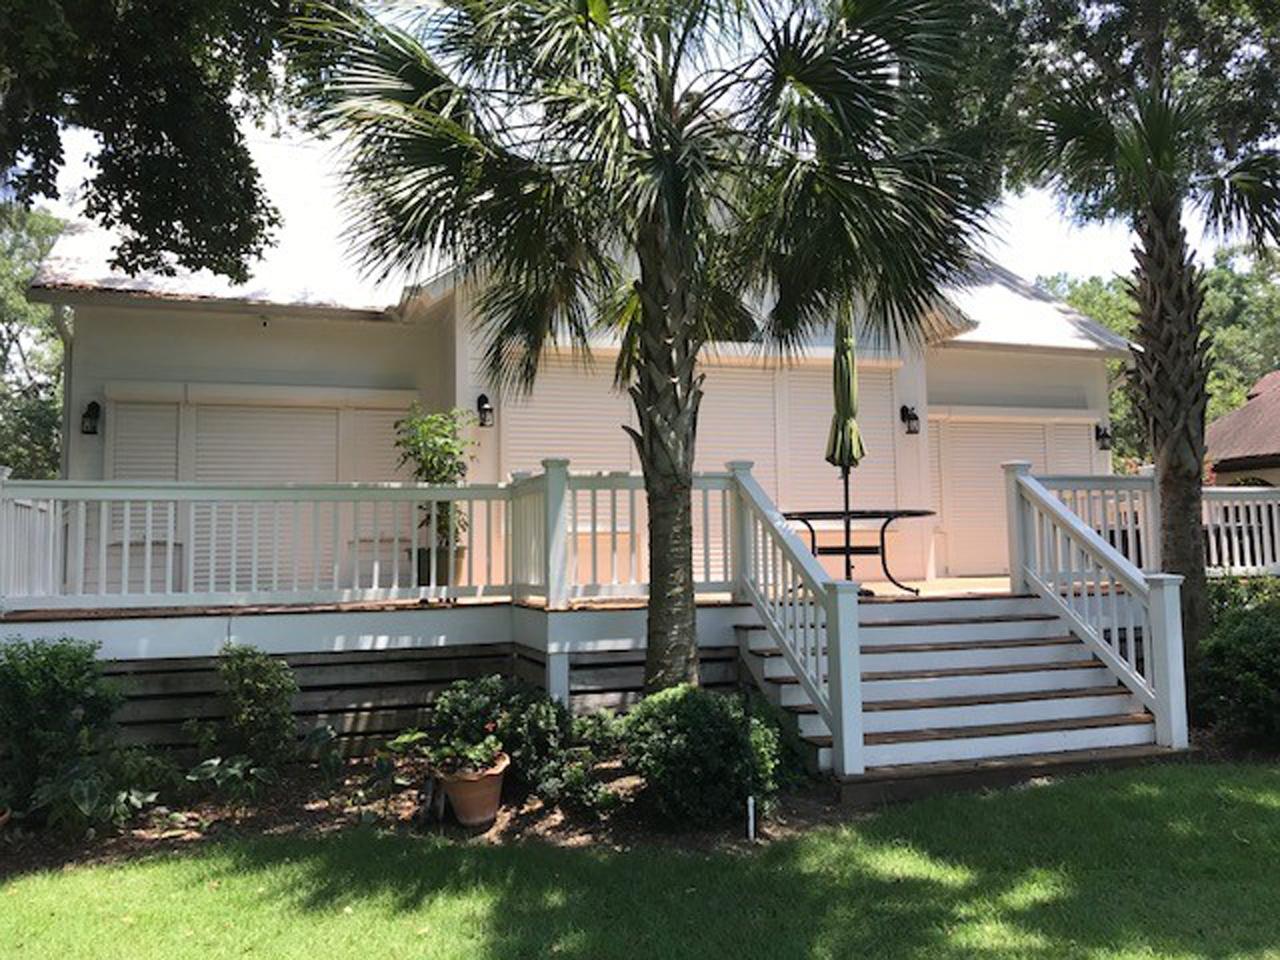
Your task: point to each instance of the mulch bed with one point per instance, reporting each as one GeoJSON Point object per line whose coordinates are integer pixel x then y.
{"type": "Point", "coordinates": [304, 804]}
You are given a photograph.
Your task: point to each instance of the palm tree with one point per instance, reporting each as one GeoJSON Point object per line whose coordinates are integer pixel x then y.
{"type": "Point", "coordinates": [1144, 158]}
{"type": "Point", "coordinates": [654, 169]}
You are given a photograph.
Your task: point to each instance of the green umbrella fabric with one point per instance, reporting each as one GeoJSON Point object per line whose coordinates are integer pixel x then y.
{"type": "Point", "coordinates": [844, 442]}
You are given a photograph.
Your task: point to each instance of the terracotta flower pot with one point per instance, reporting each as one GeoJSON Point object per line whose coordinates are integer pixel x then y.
{"type": "Point", "coordinates": [475, 796]}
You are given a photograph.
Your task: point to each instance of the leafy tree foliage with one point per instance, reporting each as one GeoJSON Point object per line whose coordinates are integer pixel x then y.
{"type": "Point", "coordinates": [1241, 316]}
{"type": "Point", "coordinates": [30, 349]}
{"type": "Point", "coordinates": [654, 171]}
{"type": "Point", "coordinates": [166, 87]}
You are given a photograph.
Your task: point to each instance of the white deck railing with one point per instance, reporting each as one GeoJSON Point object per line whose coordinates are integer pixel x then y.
{"type": "Point", "coordinates": [1132, 620]}
{"type": "Point", "coordinates": [1241, 524]}
{"type": "Point", "coordinates": [91, 544]}
{"type": "Point", "coordinates": [812, 618]}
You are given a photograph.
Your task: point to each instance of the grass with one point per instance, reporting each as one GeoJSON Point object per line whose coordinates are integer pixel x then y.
{"type": "Point", "coordinates": [1175, 861]}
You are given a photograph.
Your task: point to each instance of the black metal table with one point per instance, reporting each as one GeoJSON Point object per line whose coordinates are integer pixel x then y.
{"type": "Point", "coordinates": [847, 549]}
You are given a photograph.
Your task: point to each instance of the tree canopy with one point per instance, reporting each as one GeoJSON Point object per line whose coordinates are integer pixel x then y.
{"type": "Point", "coordinates": [166, 88]}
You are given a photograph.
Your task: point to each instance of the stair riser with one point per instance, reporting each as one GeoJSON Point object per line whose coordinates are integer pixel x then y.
{"type": "Point", "coordinates": [1022, 711]}
{"type": "Point", "coordinates": [976, 657]}
{"type": "Point", "coordinates": [869, 613]}
{"type": "Point", "coordinates": [812, 725]}
{"type": "Point", "coordinates": [960, 632]}
{"type": "Point", "coordinates": [1013, 745]}
{"type": "Point", "coordinates": [929, 688]}
{"type": "Point", "coordinates": [791, 695]}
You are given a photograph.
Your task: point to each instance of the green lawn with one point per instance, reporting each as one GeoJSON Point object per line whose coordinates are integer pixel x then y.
{"type": "Point", "coordinates": [1176, 861]}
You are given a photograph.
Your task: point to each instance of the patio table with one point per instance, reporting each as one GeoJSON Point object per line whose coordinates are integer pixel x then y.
{"type": "Point", "coordinates": [847, 549]}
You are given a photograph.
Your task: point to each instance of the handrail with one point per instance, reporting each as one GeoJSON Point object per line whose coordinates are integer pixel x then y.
{"type": "Point", "coordinates": [1131, 620]}
{"type": "Point", "coordinates": [812, 618]}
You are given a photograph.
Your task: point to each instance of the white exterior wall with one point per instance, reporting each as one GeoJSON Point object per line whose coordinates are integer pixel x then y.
{"type": "Point", "coordinates": [152, 345]}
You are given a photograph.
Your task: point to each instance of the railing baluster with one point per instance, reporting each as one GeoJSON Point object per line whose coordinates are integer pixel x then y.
{"type": "Point", "coordinates": [613, 535]}
{"type": "Point", "coordinates": [170, 532]}
{"type": "Point", "coordinates": [125, 535]}
{"type": "Point", "coordinates": [146, 548]}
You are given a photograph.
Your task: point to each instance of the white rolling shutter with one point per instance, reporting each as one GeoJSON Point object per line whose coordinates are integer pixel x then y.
{"type": "Point", "coordinates": [247, 444]}
{"type": "Point", "coordinates": [971, 481]}
{"type": "Point", "coordinates": [372, 455]}
{"type": "Point", "coordinates": [811, 482]}
{"type": "Point", "coordinates": [737, 422]}
{"type": "Point", "coordinates": [573, 411]}
{"type": "Point", "coordinates": [144, 441]}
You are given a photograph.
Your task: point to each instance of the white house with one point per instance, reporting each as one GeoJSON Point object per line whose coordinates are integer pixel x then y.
{"type": "Point", "coordinates": [226, 448]}
{"type": "Point", "coordinates": [300, 373]}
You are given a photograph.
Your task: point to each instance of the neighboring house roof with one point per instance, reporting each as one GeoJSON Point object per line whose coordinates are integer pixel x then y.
{"type": "Point", "coordinates": [310, 269]}
{"type": "Point", "coordinates": [1249, 436]}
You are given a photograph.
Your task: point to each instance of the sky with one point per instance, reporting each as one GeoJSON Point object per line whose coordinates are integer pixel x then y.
{"type": "Point", "coordinates": [1028, 233]}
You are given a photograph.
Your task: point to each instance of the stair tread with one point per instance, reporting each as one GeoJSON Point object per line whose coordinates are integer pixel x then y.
{"type": "Point", "coordinates": [959, 621]}
{"type": "Point", "coordinates": [978, 699]}
{"type": "Point", "coordinates": [1090, 664]}
{"type": "Point", "coordinates": [1045, 762]}
{"type": "Point", "coordinates": [996, 729]}
{"type": "Point", "coordinates": [947, 598]}
{"type": "Point", "coordinates": [945, 647]}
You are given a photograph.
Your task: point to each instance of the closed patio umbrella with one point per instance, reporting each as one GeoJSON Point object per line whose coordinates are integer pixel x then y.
{"type": "Point", "coordinates": [844, 442]}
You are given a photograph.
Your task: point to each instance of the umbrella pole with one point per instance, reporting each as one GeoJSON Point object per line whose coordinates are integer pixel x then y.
{"type": "Point", "coordinates": [848, 533]}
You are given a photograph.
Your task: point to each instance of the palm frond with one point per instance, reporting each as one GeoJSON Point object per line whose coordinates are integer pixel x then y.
{"type": "Point", "coordinates": [1245, 195]}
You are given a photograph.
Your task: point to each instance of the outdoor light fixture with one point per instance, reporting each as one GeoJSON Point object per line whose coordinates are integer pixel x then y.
{"type": "Point", "coordinates": [909, 416]}
{"type": "Point", "coordinates": [484, 410]}
{"type": "Point", "coordinates": [92, 414]}
{"type": "Point", "coordinates": [1103, 436]}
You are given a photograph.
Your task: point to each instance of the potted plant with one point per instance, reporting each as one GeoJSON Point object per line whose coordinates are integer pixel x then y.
{"type": "Point", "coordinates": [437, 447]}
{"type": "Point", "coordinates": [461, 746]}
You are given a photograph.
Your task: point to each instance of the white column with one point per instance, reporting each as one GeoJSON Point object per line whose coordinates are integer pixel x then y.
{"type": "Point", "coordinates": [557, 677]}
{"type": "Point", "coordinates": [740, 544]}
{"type": "Point", "coordinates": [1014, 514]}
{"type": "Point", "coordinates": [844, 678]}
{"type": "Point", "coordinates": [557, 532]}
{"type": "Point", "coordinates": [1166, 650]}
{"type": "Point", "coordinates": [1151, 537]}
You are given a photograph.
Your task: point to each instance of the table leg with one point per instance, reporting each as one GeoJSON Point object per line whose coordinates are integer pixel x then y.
{"type": "Point", "coordinates": [884, 560]}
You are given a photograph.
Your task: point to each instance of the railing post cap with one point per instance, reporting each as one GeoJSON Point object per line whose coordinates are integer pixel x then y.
{"type": "Point", "coordinates": [1165, 579]}
{"type": "Point", "coordinates": [1017, 466]}
{"type": "Point", "coordinates": [555, 463]}
{"type": "Point", "coordinates": [6, 473]}
{"type": "Point", "coordinates": [740, 466]}
{"type": "Point", "coordinates": [846, 587]}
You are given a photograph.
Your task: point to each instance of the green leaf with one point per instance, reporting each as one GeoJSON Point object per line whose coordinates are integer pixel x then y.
{"type": "Point", "coordinates": [599, 11]}
{"type": "Point", "coordinates": [205, 770]}
{"type": "Point", "coordinates": [85, 795]}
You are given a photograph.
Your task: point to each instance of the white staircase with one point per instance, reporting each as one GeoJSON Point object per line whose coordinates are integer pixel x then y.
{"type": "Point", "coordinates": [949, 680]}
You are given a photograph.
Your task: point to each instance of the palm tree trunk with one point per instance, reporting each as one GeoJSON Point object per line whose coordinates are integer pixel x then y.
{"type": "Point", "coordinates": [666, 395]}
{"type": "Point", "coordinates": [1172, 375]}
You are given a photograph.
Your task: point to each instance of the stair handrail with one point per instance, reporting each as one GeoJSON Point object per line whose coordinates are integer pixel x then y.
{"type": "Point", "coordinates": [812, 617]}
{"type": "Point", "coordinates": [1132, 620]}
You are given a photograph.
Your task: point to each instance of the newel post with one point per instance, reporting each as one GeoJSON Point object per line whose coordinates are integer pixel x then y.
{"type": "Point", "coordinates": [556, 547]}
{"type": "Point", "coordinates": [740, 543]}
{"type": "Point", "coordinates": [1014, 513]}
{"type": "Point", "coordinates": [1151, 535]}
{"type": "Point", "coordinates": [844, 678]}
{"type": "Point", "coordinates": [1168, 673]}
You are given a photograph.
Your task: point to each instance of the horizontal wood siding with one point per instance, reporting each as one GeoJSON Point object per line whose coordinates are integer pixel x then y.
{"type": "Point", "coordinates": [366, 696]}
{"type": "Point", "coordinates": [613, 681]}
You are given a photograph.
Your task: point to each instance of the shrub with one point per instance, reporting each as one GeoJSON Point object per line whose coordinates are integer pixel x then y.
{"type": "Point", "coordinates": [1237, 684]}
{"type": "Point", "coordinates": [259, 691]}
{"type": "Point", "coordinates": [700, 754]}
{"type": "Point", "coordinates": [1230, 594]}
{"type": "Point", "coordinates": [56, 709]}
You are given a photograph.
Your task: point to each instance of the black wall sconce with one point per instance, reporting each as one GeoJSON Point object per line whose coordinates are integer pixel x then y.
{"type": "Point", "coordinates": [909, 417]}
{"type": "Point", "coordinates": [90, 418]}
{"type": "Point", "coordinates": [484, 410]}
{"type": "Point", "coordinates": [1103, 436]}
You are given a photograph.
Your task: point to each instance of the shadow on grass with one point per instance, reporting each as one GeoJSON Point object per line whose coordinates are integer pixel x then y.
{"type": "Point", "coordinates": [1172, 860]}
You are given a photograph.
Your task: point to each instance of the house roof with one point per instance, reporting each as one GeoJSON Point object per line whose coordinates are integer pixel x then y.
{"type": "Point", "coordinates": [310, 269]}
{"type": "Point", "coordinates": [1009, 311]}
{"type": "Point", "coordinates": [307, 268]}
{"type": "Point", "coordinates": [1249, 436]}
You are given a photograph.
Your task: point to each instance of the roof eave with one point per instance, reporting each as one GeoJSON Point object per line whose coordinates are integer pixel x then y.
{"type": "Point", "coordinates": [83, 296]}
